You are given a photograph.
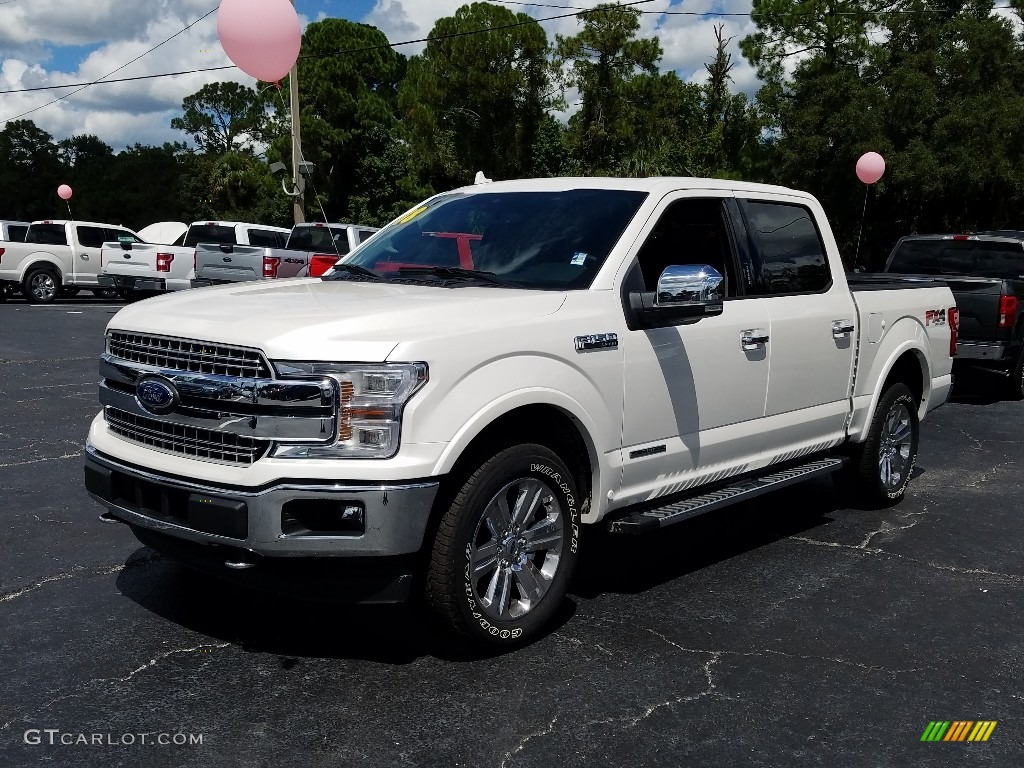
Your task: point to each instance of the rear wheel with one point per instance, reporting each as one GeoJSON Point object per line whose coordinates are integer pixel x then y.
{"type": "Point", "coordinates": [506, 548]}
{"type": "Point", "coordinates": [882, 464]}
{"type": "Point", "coordinates": [41, 286]}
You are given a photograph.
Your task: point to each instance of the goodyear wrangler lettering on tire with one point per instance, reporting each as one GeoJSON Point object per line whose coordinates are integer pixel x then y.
{"type": "Point", "coordinates": [515, 528]}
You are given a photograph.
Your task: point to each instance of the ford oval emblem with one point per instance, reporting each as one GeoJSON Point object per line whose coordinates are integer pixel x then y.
{"type": "Point", "coordinates": [157, 395]}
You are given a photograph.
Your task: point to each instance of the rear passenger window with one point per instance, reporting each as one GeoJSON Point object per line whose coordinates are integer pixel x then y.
{"type": "Point", "coordinates": [266, 238]}
{"type": "Point", "coordinates": [90, 237]}
{"type": "Point", "coordinates": [365, 234]}
{"type": "Point", "coordinates": [16, 233]}
{"type": "Point", "coordinates": [788, 253]}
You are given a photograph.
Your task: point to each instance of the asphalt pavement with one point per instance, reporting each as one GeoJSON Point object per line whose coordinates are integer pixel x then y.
{"type": "Point", "coordinates": [791, 630]}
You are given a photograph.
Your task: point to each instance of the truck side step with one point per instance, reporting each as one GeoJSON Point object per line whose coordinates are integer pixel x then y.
{"type": "Point", "coordinates": [646, 520]}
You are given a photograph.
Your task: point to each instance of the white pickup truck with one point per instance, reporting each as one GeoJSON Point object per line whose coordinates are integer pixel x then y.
{"type": "Point", "coordinates": [621, 352]}
{"type": "Point", "coordinates": [137, 270]}
{"type": "Point", "coordinates": [58, 258]}
{"type": "Point", "coordinates": [311, 250]}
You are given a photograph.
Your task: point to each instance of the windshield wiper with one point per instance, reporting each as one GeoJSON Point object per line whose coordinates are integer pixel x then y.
{"type": "Point", "coordinates": [355, 269]}
{"type": "Point", "coordinates": [458, 273]}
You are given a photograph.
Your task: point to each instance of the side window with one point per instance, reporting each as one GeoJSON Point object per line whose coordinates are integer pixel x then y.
{"type": "Point", "coordinates": [90, 237]}
{"type": "Point", "coordinates": [265, 238]}
{"type": "Point", "coordinates": [690, 231]}
{"type": "Point", "coordinates": [16, 233]}
{"type": "Point", "coordinates": [364, 234]}
{"type": "Point", "coordinates": [788, 253]}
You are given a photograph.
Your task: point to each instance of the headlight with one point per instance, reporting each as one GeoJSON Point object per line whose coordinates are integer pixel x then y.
{"type": "Point", "coordinates": [370, 403]}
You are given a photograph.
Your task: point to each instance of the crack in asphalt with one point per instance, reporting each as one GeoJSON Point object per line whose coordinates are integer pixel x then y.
{"type": "Point", "coordinates": [986, 476]}
{"type": "Point", "coordinates": [772, 652]}
{"type": "Point", "coordinates": [78, 570]}
{"type": "Point", "coordinates": [76, 455]}
{"type": "Point", "coordinates": [84, 688]}
{"type": "Point", "coordinates": [549, 728]}
{"type": "Point", "coordinates": [1007, 577]}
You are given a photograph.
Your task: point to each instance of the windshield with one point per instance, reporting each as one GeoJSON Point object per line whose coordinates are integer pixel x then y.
{"type": "Point", "coordinates": [319, 238]}
{"type": "Point", "coordinates": [548, 240]}
{"type": "Point", "coordinates": [977, 258]}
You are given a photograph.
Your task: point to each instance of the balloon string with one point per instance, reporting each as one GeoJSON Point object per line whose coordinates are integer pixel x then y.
{"type": "Point", "coordinates": [68, 202]}
{"type": "Point", "coordinates": [860, 230]}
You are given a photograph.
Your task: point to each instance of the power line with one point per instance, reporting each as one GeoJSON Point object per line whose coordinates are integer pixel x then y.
{"type": "Point", "coordinates": [103, 80]}
{"type": "Point", "coordinates": [576, 11]}
{"type": "Point", "coordinates": [86, 85]}
{"type": "Point", "coordinates": [750, 14]}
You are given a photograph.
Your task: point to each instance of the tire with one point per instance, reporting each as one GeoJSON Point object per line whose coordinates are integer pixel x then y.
{"type": "Point", "coordinates": [1015, 378]}
{"type": "Point", "coordinates": [882, 465]}
{"type": "Point", "coordinates": [41, 286]}
{"type": "Point", "coordinates": [104, 293]}
{"type": "Point", "coordinates": [496, 603]}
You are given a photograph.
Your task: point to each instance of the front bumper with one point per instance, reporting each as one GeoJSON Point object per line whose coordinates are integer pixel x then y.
{"type": "Point", "coordinates": [290, 518]}
{"type": "Point", "coordinates": [132, 283]}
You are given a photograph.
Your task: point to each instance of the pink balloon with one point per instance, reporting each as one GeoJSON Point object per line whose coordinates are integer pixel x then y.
{"type": "Point", "coordinates": [262, 37]}
{"type": "Point", "coordinates": [64, 192]}
{"type": "Point", "coordinates": [870, 167]}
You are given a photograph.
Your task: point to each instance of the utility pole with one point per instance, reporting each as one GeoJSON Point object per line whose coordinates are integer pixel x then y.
{"type": "Point", "coordinates": [298, 179]}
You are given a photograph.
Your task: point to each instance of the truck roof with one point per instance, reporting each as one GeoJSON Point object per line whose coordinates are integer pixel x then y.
{"type": "Point", "coordinates": [650, 184]}
{"type": "Point", "coordinates": [222, 223]}
{"type": "Point", "coordinates": [79, 222]}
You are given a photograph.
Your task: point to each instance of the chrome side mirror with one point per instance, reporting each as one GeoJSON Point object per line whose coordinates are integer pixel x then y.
{"type": "Point", "coordinates": [697, 286]}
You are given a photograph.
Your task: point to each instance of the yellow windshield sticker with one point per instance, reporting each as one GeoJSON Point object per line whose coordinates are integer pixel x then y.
{"type": "Point", "coordinates": [412, 214]}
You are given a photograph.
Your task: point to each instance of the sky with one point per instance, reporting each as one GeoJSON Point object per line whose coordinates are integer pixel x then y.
{"type": "Point", "coordinates": [55, 42]}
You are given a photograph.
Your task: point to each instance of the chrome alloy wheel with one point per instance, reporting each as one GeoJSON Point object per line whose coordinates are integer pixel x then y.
{"type": "Point", "coordinates": [516, 548]}
{"type": "Point", "coordinates": [43, 286]}
{"type": "Point", "coordinates": [894, 447]}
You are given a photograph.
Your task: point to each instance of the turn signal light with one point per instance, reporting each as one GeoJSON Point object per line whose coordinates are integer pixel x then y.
{"type": "Point", "coordinates": [319, 263]}
{"type": "Point", "coordinates": [163, 262]}
{"type": "Point", "coordinates": [270, 265]}
{"type": "Point", "coordinates": [1007, 311]}
{"type": "Point", "coordinates": [953, 317]}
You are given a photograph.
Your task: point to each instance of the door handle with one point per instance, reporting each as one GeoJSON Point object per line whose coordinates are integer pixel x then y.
{"type": "Point", "coordinates": [753, 338]}
{"type": "Point", "coordinates": [841, 328]}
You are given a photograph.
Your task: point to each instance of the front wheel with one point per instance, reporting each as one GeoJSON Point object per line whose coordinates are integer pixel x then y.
{"type": "Point", "coordinates": [506, 547]}
{"type": "Point", "coordinates": [883, 463]}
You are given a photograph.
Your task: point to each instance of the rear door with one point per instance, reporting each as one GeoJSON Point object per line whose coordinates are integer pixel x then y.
{"type": "Point", "coordinates": [86, 258]}
{"type": "Point", "coordinates": [813, 326]}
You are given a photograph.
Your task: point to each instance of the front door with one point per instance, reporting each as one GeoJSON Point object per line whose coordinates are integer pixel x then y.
{"type": "Point", "coordinates": [694, 392]}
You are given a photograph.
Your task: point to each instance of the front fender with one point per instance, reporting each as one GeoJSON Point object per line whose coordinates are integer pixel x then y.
{"type": "Point", "coordinates": [463, 409]}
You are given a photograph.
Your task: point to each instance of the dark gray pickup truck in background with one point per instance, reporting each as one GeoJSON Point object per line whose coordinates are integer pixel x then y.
{"type": "Point", "coordinates": [985, 271]}
{"type": "Point", "coordinates": [311, 250]}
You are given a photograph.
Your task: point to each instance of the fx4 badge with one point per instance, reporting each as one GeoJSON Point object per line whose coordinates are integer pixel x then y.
{"type": "Point", "coordinates": [597, 341]}
{"type": "Point", "coordinates": [935, 317]}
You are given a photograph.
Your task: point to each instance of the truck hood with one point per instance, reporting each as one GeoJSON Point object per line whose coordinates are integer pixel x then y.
{"type": "Point", "coordinates": [340, 320]}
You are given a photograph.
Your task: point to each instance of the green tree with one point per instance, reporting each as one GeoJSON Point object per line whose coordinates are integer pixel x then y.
{"type": "Point", "coordinates": [476, 102]}
{"type": "Point", "coordinates": [601, 62]}
{"type": "Point", "coordinates": [88, 163]}
{"type": "Point", "coordinates": [222, 117]}
{"type": "Point", "coordinates": [30, 172]}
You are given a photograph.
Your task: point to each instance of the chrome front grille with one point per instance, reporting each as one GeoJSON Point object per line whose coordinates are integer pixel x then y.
{"type": "Point", "coordinates": [185, 440]}
{"type": "Point", "coordinates": [188, 355]}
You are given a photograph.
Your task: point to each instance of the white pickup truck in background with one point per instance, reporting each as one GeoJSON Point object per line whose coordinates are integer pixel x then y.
{"type": "Point", "coordinates": [311, 250]}
{"type": "Point", "coordinates": [136, 270]}
{"type": "Point", "coordinates": [58, 257]}
{"type": "Point", "coordinates": [439, 416]}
